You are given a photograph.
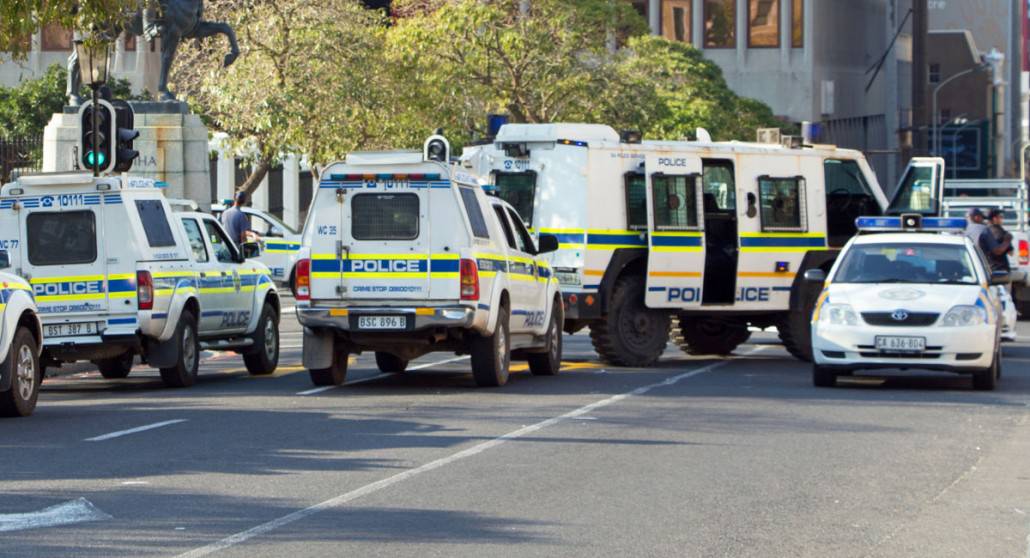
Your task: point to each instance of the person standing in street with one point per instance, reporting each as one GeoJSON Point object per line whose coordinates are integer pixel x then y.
{"type": "Point", "coordinates": [236, 222]}
{"type": "Point", "coordinates": [996, 226]}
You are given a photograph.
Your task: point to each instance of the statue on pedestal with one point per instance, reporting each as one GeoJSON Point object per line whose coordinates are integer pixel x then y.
{"type": "Point", "coordinates": [173, 21]}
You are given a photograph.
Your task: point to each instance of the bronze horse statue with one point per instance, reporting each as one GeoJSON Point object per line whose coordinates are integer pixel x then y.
{"type": "Point", "coordinates": [176, 20]}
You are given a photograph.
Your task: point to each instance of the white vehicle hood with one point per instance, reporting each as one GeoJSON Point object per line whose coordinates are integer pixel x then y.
{"type": "Point", "coordinates": [914, 297]}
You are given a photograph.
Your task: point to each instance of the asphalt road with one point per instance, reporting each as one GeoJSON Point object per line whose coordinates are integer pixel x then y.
{"type": "Point", "coordinates": [697, 457]}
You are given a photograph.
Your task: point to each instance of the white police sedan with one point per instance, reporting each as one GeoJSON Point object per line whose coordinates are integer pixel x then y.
{"type": "Point", "coordinates": [908, 298]}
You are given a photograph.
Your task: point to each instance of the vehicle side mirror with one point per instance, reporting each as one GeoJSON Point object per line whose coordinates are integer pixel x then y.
{"type": "Point", "coordinates": [547, 243]}
{"type": "Point", "coordinates": [276, 231]}
{"type": "Point", "coordinates": [250, 250]}
{"type": "Point", "coordinates": [5, 259]}
{"type": "Point", "coordinates": [1001, 278]}
{"type": "Point", "coordinates": [815, 276]}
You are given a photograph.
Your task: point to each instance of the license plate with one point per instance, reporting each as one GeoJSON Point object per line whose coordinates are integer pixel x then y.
{"type": "Point", "coordinates": [901, 344]}
{"type": "Point", "coordinates": [382, 322]}
{"type": "Point", "coordinates": [71, 330]}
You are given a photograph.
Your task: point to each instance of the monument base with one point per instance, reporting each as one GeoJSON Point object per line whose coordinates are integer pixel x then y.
{"type": "Point", "coordinates": [172, 145]}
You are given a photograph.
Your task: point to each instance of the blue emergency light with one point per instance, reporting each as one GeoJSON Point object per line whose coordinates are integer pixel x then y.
{"type": "Point", "coordinates": [912, 223]}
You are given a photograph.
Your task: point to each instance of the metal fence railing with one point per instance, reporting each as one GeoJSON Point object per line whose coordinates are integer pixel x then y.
{"type": "Point", "coordinates": [19, 155]}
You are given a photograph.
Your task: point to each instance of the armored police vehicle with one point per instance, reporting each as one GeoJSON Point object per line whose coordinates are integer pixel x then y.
{"type": "Point", "coordinates": [404, 254]}
{"type": "Point", "coordinates": [279, 242]}
{"type": "Point", "coordinates": [115, 273]}
{"type": "Point", "coordinates": [713, 235]}
{"type": "Point", "coordinates": [20, 340]}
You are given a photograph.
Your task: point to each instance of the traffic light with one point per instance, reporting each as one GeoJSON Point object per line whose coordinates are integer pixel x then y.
{"type": "Point", "coordinates": [124, 154]}
{"type": "Point", "coordinates": [97, 130]}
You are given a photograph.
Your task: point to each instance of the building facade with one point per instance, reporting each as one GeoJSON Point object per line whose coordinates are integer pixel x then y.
{"type": "Point", "coordinates": [837, 63]}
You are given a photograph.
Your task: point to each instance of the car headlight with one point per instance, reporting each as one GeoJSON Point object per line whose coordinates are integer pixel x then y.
{"type": "Point", "coordinates": [838, 314]}
{"type": "Point", "coordinates": [963, 315]}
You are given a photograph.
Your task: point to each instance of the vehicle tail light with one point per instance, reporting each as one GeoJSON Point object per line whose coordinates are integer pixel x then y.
{"type": "Point", "coordinates": [303, 280]}
{"type": "Point", "coordinates": [469, 280]}
{"type": "Point", "coordinates": [1024, 252]}
{"type": "Point", "coordinates": [145, 290]}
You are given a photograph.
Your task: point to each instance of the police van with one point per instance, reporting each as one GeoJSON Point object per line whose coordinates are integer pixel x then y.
{"type": "Point", "coordinates": [714, 236]}
{"type": "Point", "coordinates": [279, 242]}
{"type": "Point", "coordinates": [405, 254]}
{"type": "Point", "coordinates": [116, 273]}
{"type": "Point", "coordinates": [21, 337]}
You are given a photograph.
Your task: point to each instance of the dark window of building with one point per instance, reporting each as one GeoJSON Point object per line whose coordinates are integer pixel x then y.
{"type": "Point", "coordinates": [384, 217]}
{"type": "Point", "coordinates": [720, 17]}
{"type": "Point", "coordinates": [636, 202]}
{"type": "Point", "coordinates": [677, 20]}
{"type": "Point", "coordinates": [781, 200]}
{"type": "Point", "coordinates": [64, 238]}
{"type": "Point", "coordinates": [935, 73]}
{"type": "Point", "coordinates": [675, 202]}
{"type": "Point", "coordinates": [56, 37]}
{"type": "Point", "coordinates": [475, 213]}
{"type": "Point", "coordinates": [155, 223]}
{"type": "Point", "coordinates": [797, 23]}
{"type": "Point", "coordinates": [763, 29]}
{"type": "Point", "coordinates": [130, 42]}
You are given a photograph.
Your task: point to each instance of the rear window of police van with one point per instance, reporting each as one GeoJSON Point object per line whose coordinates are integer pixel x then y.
{"type": "Point", "coordinates": [155, 223]}
{"type": "Point", "coordinates": [65, 238]}
{"type": "Point", "coordinates": [384, 216]}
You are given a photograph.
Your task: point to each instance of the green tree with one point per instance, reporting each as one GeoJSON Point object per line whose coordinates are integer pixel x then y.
{"type": "Point", "coordinates": [310, 81]}
{"type": "Point", "coordinates": [19, 19]}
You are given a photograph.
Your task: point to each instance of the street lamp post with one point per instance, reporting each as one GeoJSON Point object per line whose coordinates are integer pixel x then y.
{"type": "Point", "coordinates": [93, 58]}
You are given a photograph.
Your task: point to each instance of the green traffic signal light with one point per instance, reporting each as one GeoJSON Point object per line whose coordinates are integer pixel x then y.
{"type": "Point", "coordinates": [101, 159]}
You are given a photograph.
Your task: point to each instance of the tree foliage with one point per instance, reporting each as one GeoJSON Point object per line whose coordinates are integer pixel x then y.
{"type": "Point", "coordinates": [19, 19]}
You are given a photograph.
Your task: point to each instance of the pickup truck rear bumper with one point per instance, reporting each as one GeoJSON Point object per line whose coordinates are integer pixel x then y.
{"type": "Point", "coordinates": [414, 318]}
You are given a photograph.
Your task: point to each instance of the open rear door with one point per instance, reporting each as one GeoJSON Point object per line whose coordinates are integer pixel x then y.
{"type": "Point", "coordinates": [921, 189]}
{"type": "Point", "coordinates": [675, 222]}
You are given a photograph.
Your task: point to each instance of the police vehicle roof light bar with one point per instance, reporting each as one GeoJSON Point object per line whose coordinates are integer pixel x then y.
{"type": "Point", "coordinates": [910, 223]}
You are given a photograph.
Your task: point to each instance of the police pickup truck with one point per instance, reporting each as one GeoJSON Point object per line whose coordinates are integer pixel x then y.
{"type": "Point", "coordinates": [116, 273]}
{"type": "Point", "coordinates": [20, 339]}
{"type": "Point", "coordinates": [405, 255]}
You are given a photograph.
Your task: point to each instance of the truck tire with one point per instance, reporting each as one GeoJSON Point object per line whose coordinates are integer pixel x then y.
{"type": "Point", "coordinates": [184, 373]}
{"type": "Point", "coordinates": [390, 363]}
{"type": "Point", "coordinates": [823, 377]}
{"type": "Point", "coordinates": [22, 366]}
{"type": "Point", "coordinates": [795, 328]}
{"type": "Point", "coordinates": [116, 368]}
{"type": "Point", "coordinates": [1023, 309]}
{"type": "Point", "coordinates": [548, 363]}
{"type": "Point", "coordinates": [263, 359]}
{"type": "Point", "coordinates": [631, 334]}
{"type": "Point", "coordinates": [987, 379]}
{"type": "Point", "coordinates": [491, 354]}
{"type": "Point", "coordinates": [709, 337]}
{"type": "Point", "coordinates": [336, 374]}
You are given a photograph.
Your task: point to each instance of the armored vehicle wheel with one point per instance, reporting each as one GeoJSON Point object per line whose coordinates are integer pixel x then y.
{"type": "Point", "coordinates": [491, 355]}
{"type": "Point", "coordinates": [709, 337]}
{"type": "Point", "coordinates": [549, 363]}
{"type": "Point", "coordinates": [184, 373]}
{"type": "Point", "coordinates": [116, 368]}
{"type": "Point", "coordinates": [631, 334]}
{"type": "Point", "coordinates": [795, 328]}
{"type": "Point", "coordinates": [263, 358]}
{"type": "Point", "coordinates": [22, 366]}
{"type": "Point", "coordinates": [390, 363]}
{"type": "Point", "coordinates": [336, 374]}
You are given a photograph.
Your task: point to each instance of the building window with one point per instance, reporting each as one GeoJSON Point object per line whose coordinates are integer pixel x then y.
{"type": "Point", "coordinates": [935, 73]}
{"type": "Point", "coordinates": [130, 42]}
{"type": "Point", "coordinates": [56, 37]}
{"type": "Point", "coordinates": [763, 29]}
{"type": "Point", "coordinates": [677, 20]}
{"type": "Point", "coordinates": [797, 23]}
{"type": "Point", "coordinates": [720, 18]}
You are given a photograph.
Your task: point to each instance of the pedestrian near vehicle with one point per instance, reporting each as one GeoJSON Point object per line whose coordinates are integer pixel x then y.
{"type": "Point", "coordinates": [236, 222]}
{"type": "Point", "coordinates": [996, 226]}
{"type": "Point", "coordinates": [978, 231]}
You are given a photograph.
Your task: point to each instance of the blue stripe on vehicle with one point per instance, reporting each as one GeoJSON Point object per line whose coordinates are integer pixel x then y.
{"type": "Point", "coordinates": [443, 266]}
{"type": "Point", "coordinates": [656, 289]}
{"type": "Point", "coordinates": [675, 241]}
{"type": "Point", "coordinates": [121, 321]}
{"type": "Point", "coordinates": [782, 242]}
{"type": "Point", "coordinates": [628, 239]}
{"type": "Point", "coordinates": [782, 289]}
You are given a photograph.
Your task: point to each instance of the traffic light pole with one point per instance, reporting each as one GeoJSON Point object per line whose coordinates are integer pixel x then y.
{"type": "Point", "coordinates": [96, 128]}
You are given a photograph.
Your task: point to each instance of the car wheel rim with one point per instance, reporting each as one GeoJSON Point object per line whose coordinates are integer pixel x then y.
{"type": "Point", "coordinates": [555, 340]}
{"type": "Point", "coordinates": [502, 343]}
{"type": "Point", "coordinates": [270, 340]}
{"type": "Point", "coordinates": [26, 372]}
{"type": "Point", "coordinates": [189, 349]}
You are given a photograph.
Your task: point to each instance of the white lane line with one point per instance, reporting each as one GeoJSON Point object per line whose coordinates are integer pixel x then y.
{"type": "Point", "coordinates": [144, 428]}
{"type": "Point", "coordinates": [72, 511]}
{"type": "Point", "coordinates": [244, 536]}
{"type": "Point", "coordinates": [376, 377]}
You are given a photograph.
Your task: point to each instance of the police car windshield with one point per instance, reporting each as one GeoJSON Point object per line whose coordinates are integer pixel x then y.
{"type": "Point", "coordinates": [907, 263]}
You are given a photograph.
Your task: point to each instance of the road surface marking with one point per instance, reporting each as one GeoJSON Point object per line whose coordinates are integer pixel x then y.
{"type": "Point", "coordinates": [287, 309]}
{"type": "Point", "coordinates": [298, 515]}
{"type": "Point", "coordinates": [144, 428]}
{"type": "Point", "coordinates": [378, 376]}
{"type": "Point", "coordinates": [72, 511]}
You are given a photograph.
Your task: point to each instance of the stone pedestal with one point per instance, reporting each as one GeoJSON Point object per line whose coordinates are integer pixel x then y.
{"type": "Point", "coordinates": [173, 147]}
